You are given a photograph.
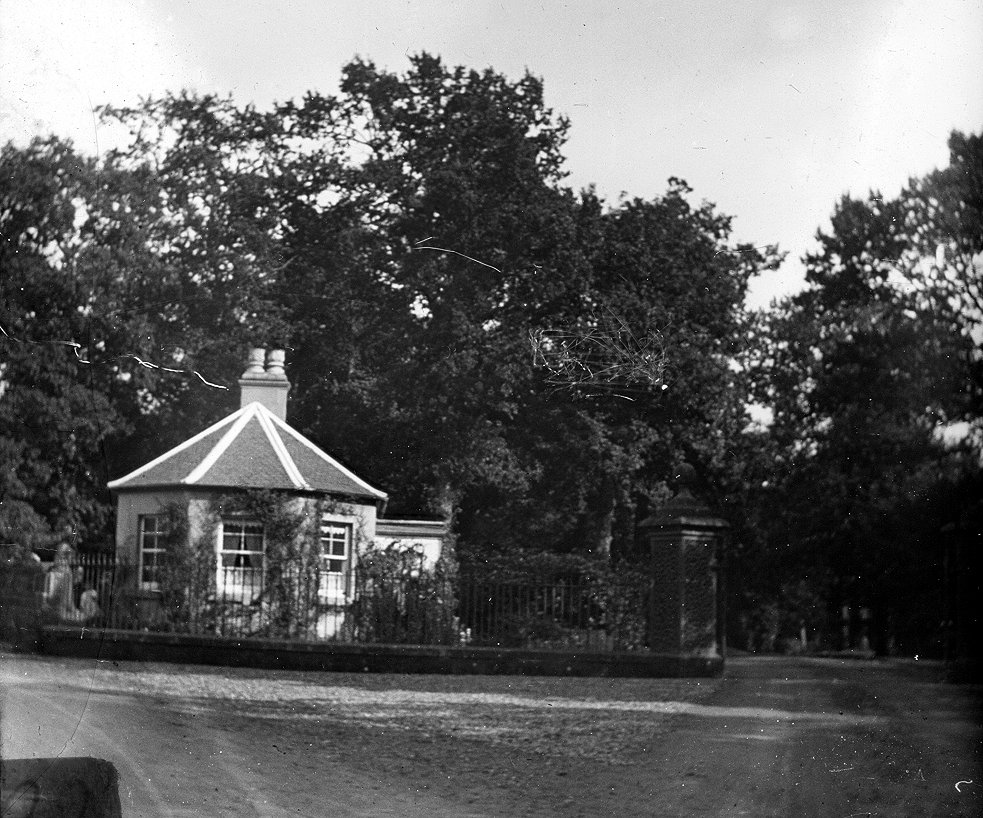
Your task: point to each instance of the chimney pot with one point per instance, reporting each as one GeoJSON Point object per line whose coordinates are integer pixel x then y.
{"type": "Point", "coordinates": [274, 364]}
{"type": "Point", "coordinates": [254, 364]}
{"type": "Point", "coordinates": [267, 386]}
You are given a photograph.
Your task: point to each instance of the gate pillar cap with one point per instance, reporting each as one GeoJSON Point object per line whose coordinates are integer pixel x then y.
{"type": "Point", "coordinates": [684, 510]}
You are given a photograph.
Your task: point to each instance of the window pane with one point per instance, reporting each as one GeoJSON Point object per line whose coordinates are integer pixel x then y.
{"type": "Point", "coordinates": [241, 558]}
{"type": "Point", "coordinates": [238, 536]}
{"type": "Point", "coordinates": [153, 529]}
{"type": "Point", "coordinates": [253, 542]}
{"type": "Point", "coordinates": [335, 540]}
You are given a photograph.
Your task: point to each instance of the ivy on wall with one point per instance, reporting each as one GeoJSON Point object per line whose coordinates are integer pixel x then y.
{"type": "Point", "coordinates": [394, 596]}
{"type": "Point", "coordinates": [186, 575]}
{"type": "Point", "coordinates": [287, 605]}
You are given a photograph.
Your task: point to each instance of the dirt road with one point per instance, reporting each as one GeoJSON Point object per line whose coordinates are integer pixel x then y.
{"type": "Point", "coordinates": [775, 737]}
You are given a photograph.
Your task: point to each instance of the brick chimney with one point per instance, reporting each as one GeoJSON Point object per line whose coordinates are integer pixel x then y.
{"type": "Point", "coordinates": [267, 384]}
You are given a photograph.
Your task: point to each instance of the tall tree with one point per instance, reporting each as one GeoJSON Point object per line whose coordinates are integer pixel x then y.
{"type": "Point", "coordinates": [67, 376]}
{"type": "Point", "coordinates": [212, 172]}
{"type": "Point", "coordinates": [457, 174]}
{"type": "Point", "coordinates": [866, 372]}
{"type": "Point", "coordinates": [405, 238]}
{"type": "Point", "coordinates": [119, 302]}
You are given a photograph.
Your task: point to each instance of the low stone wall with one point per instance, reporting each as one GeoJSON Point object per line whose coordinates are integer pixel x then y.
{"type": "Point", "coordinates": [287, 655]}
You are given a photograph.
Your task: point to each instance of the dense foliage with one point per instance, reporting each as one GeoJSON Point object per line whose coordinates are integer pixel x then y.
{"type": "Point", "coordinates": [405, 239]}
{"type": "Point", "coordinates": [873, 376]}
{"type": "Point", "coordinates": [399, 599]}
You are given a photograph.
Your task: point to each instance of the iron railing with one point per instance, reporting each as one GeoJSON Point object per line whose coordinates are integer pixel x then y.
{"type": "Point", "coordinates": [569, 612]}
{"type": "Point", "coordinates": [359, 606]}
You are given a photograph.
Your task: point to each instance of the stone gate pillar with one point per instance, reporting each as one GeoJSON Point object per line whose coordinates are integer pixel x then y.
{"type": "Point", "coordinates": [686, 547]}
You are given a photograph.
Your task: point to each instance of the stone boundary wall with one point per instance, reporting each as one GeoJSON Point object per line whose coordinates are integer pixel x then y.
{"type": "Point", "coordinates": [286, 655]}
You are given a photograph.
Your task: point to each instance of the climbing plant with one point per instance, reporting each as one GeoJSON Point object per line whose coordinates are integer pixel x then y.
{"type": "Point", "coordinates": [185, 576]}
{"type": "Point", "coordinates": [285, 606]}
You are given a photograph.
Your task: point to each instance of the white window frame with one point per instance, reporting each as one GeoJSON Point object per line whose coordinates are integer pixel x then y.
{"type": "Point", "coordinates": [333, 584]}
{"type": "Point", "coordinates": [160, 531]}
{"type": "Point", "coordinates": [331, 526]}
{"type": "Point", "coordinates": [231, 578]}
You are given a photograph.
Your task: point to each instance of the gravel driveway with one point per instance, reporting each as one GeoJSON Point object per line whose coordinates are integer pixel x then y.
{"type": "Point", "coordinates": [774, 737]}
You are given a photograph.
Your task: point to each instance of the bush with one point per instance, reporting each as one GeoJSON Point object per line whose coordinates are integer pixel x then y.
{"type": "Point", "coordinates": [398, 600]}
{"type": "Point", "coordinates": [547, 600]}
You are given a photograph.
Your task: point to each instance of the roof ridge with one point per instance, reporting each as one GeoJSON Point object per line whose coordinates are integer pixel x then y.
{"type": "Point", "coordinates": [221, 447]}
{"type": "Point", "coordinates": [263, 414]}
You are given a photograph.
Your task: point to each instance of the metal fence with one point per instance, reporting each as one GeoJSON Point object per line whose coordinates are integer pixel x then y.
{"type": "Point", "coordinates": [568, 612]}
{"type": "Point", "coordinates": [358, 606]}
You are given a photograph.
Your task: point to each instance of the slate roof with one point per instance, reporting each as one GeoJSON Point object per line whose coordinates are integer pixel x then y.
{"type": "Point", "coordinates": [251, 448]}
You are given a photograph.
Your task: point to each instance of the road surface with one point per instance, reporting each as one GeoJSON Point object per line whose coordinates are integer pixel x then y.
{"type": "Point", "coordinates": [775, 737]}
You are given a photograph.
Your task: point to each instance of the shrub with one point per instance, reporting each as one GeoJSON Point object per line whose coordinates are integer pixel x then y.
{"type": "Point", "coordinates": [543, 599]}
{"type": "Point", "coordinates": [399, 600]}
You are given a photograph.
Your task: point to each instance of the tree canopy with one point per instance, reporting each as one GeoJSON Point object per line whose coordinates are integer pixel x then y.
{"type": "Point", "coordinates": [872, 375]}
{"type": "Point", "coordinates": [406, 238]}
{"type": "Point", "coordinates": [488, 344]}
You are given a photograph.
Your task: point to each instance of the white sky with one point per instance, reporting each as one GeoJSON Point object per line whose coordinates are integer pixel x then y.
{"type": "Point", "coordinates": [772, 110]}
